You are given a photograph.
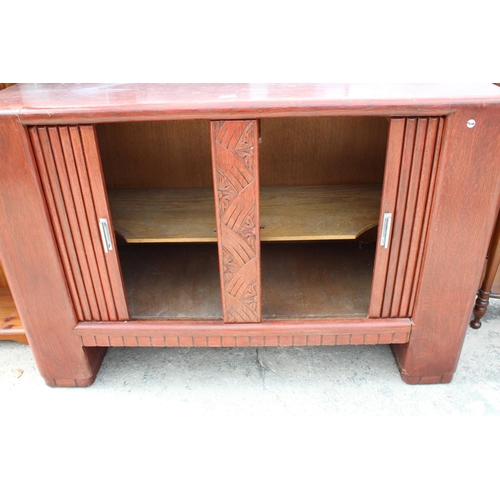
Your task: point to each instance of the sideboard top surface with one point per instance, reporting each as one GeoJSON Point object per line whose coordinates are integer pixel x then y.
{"type": "Point", "coordinates": [87, 103]}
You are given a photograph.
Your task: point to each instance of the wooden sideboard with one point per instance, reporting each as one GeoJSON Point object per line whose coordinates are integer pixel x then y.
{"type": "Point", "coordinates": [247, 215]}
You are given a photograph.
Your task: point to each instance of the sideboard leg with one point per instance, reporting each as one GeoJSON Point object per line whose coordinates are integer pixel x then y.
{"type": "Point", "coordinates": [413, 371]}
{"type": "Point", "coordinates": [93, 357]}
{"type": "Point", "coordinates": [403, 355]}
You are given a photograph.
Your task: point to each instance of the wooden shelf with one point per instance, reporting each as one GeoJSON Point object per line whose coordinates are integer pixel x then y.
{"type": "Point", "coordinates": [11, 327]}
{"type": "Point", "coordinates": [296, 213]}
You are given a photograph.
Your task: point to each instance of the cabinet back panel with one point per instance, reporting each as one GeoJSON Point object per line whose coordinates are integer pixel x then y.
{"type": "Point", "coordinates": [315, 151]}
{"type": "Point", "coordinates": [293, 152]}
{"type": "Point", "coordinates": [171, 154]}
{"type": "Point", "coordinates": [316, 279]}
{"type": "Point", "coordinates": [165, 281]}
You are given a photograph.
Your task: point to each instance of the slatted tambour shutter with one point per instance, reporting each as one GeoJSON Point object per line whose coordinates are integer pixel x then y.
{"type": "Point", "coordinates": [70, 171]}
{"type": "Point", "coordinates": [236, 183]}
{"type": "Point", "coordinates": [411, 165]}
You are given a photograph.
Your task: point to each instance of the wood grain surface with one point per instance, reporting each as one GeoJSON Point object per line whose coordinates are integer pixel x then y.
{"type": "Point", "coordinates": [236, 182]}
{"type": "Point", "coordinates": [440, 239]}
{"type": "Point", "coordinates": [322, 150]}
{"type": "Point", "coordinates": [32, 261]}
{"type": "Point", "coordinates": [461, 221]}
{"type": "Point", "coordinates": [266, 333]}
{"type": "Point", "coordinates": [91, 103]}
{"type": "Point", "coordinates": [71, 175]}
{"type": "Point", "coordinates": [286, 213]}
{"type": "Point", "coordinates": [413, 155]}
{"type": "Point", "coordinates": [172, 154]}
{"type": "Point", "coordinates": [316, 279]}
{"type": "Point", "coordinates": [292, 152]}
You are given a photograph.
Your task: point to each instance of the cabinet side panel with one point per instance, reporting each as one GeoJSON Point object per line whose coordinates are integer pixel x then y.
{"type": "Point", "coordinates": [236, 184]}
{"type": "Point", "coordinates": [113, 278]}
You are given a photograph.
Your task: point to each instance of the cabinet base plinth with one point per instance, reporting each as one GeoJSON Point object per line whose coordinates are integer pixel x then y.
{"type": "Point", "coordinates": [90, 366]}
{"type": "Point", "coordinates": [69, 382]}
{"type": "Point", "coordinates": [427, 379]}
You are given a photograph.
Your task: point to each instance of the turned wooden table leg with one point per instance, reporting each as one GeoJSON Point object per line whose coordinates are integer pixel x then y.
{"type": "Point", "coordinates": [483, 296]}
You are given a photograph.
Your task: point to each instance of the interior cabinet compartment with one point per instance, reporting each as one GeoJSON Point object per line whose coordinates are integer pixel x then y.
{"type": "Point", "coordinates": [321, 183]}
{"type": "Point", "coordinates": [11, 327]}
{"type": "Point", "coordinates": [159, 182]}
{"type": "Point", "coordinates": [316, 279]}
{"type": "Point", "coordinates": [176, 281]}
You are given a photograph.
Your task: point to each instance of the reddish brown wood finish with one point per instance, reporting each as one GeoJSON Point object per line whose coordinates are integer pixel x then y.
{"type": "Point", "coordinates": [111, 273]}
{"type": "Point", "coordinates": [464, 208]}
{"type": "Point", "coordinates": [413, 153]}
{"type": "Point", "coordinates": [454, 219]}
{"type": "Point", "coordinates": [236, 183]}
{"type": "Point", "coordinates": [388, 205]}
{"type": "Point", "coordinates": [266, 340]}
{"type": "Point", "coordinates": [219, 334]}
{"type": "Point", "coordinates": [40, 104]}
{"type": "Point", "coordinates": [71, 175]}
{"type": "Point", "coordinates": [31, 263]}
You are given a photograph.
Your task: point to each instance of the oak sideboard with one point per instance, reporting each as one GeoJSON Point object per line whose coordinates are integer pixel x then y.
{"type": "Point", "coordinates": [246, 215]}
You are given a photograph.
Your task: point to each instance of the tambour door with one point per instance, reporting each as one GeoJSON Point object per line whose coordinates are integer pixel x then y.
{"type": "Point", "coordinates": [412, 163]}
{"type": "Point", "coordinates": [68, 162]}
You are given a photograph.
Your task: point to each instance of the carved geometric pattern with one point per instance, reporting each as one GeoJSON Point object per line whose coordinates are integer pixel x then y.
{"type": "Point", "coordinates": [235, 164]}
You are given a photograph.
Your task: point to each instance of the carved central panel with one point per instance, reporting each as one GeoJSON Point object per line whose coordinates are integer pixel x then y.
{"type": "Point", "coordinates": [235, 164]}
